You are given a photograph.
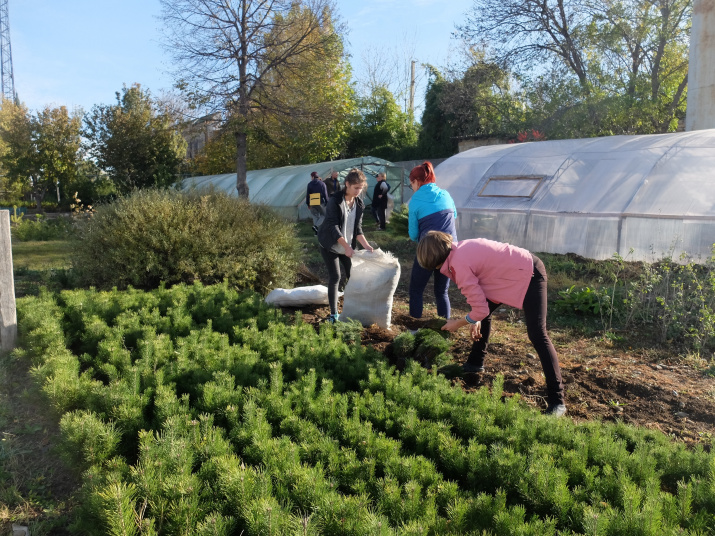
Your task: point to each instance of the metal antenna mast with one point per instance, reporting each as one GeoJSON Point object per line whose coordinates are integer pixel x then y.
{"type": "Point", "coordinates": [8, 80]}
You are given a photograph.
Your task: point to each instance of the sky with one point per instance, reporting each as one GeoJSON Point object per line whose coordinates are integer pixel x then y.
{"type": "Point", "coordinates": [79, 53]}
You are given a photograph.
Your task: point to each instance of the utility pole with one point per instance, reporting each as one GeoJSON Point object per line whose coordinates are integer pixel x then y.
{"type": "Point", "coordinates": [8, 80]}
{"type": "Point", "coordinates": [412, 91]}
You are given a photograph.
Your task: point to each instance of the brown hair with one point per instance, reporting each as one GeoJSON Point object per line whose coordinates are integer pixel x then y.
{"type": "Point", "coordinates": [354, 176]}
{"type": "Point", "coordinates": [433, 249]}
{"type": "Point", "coordinates": [423, 174]}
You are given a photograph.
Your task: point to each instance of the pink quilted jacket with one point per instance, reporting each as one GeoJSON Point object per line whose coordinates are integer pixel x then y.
{"type": "Point", "coordinates": [488, 270]}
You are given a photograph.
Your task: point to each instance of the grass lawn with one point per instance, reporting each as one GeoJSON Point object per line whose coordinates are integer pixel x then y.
{"type": "Point", "coordinates": [37, 264]}
{"type": "Point", "coordinates": [41, 255]}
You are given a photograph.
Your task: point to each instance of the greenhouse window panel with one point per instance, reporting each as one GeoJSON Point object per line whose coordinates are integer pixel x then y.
{"type": "Point", "coordinates": [511, 186]}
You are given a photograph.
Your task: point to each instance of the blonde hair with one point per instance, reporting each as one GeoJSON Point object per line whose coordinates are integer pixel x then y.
{"type": "Point", "coordinates": [433, 249]}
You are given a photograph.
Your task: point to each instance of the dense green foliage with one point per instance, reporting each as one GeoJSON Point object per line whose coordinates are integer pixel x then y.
{"type": "Point", "coordinates": [200, 410]}
{"type": "Point", "coordinates": [477, 102]}
{"type": "Point", "coordinates": [134, 141]}
{"type": "Point", "coordinates": [381, 129]}
{"type": "Point", "coordinates": [40, 229]}
{"type": "Point", "coordinates": [166, 237]}
{"type": "Point", "coordinates": [672, 301]}
{"type": "Point", "coordinates": [590, 69]}
{"type": "Point", "coordinates": [40, 152]}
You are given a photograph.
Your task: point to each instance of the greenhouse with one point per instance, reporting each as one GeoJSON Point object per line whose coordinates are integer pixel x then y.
{"type": "Point", "coordinates": [283, 189]}
{"type": "Point", "coordinates": [644, 197]}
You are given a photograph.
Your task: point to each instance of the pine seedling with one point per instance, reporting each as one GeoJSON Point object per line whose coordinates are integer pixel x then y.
{"type": "Point", "coordinates": [215, 524]}
{"type": "Point", "coordinates": [219, 393]}
{"type": "Point", "coordinates": [118, 512]}
{"type": "Point", "coordinates": [429, 344]}
{"type": "Point", "coordinates": [403, 346]}
{"type": "Point", "coordinates": [266, 516]}
{"type": "Point", "coordinates": [88, 440]}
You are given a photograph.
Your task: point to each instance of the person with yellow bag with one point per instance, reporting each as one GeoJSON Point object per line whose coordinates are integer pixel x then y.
{"type": "Point", "coordinates": [316, 198]}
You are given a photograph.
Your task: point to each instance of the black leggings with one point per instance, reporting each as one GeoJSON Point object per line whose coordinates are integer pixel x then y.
{"type": "Point", "coordinates": [535, 308]}
{"type": "Point", "coordinates": [333, 261]}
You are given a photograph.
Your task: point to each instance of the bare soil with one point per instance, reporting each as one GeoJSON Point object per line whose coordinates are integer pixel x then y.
{"type": "Point", "coordinates": [631, 380]}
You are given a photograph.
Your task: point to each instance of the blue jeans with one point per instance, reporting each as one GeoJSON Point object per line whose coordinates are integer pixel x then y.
{"type": "Point", "coordinates": [318, 214]}
{"type": "Point", "coordinates": [418, 283]}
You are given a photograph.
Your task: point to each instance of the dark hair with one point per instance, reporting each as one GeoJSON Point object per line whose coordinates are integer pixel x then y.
{"type": "Point", "coordinates": [433, 249]}
{"type": "Point", "coordinates": [423, 174]}
{"type": "Point", "coordinates": [354, 176]}
{"type": "Point", "coordinates": [314, 174]}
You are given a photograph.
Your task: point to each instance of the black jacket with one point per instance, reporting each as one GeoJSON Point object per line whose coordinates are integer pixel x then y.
{"type": "Point", "coordinates": [378, 202]}
{"type": "Point", "coordinates": [331, 229]}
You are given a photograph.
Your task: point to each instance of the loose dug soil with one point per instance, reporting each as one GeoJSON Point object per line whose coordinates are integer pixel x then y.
{"type": "Point", "coordinates": [640, 384]}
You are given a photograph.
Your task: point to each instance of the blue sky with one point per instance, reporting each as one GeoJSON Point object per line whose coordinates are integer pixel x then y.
{"type": "Point", "coordinates": [80, 52]}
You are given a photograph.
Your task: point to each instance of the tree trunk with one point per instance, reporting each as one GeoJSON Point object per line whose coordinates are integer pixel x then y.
{"type": "Point", "coordinates": [241, 184]}
{"type": "Point", "coordinates": [38, 193]}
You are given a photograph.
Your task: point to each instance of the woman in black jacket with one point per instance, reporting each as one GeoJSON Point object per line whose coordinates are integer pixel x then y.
{"type": "Point", "coordinates": [379, 200]}
{"type": "Point", "coordinates": [339, 234]}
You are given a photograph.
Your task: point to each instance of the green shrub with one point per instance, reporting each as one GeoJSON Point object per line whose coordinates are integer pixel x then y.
{"type": "Point", "coordinates": [87, 438]}
{"type": "Point", "coordinates": [431, 347]}
{"type": "Point", "coordinates": [40, 229]}
{"type": "Point", "coordinates": [154, 237]}
{"type": "Point", "coordinates": [584, 300]}
{"type": "Point", "coordinates": [399, 220]}
{"type": "Point", "coordinates": [281, 429]}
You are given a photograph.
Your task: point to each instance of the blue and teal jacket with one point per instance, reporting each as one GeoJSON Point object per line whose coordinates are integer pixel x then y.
{"type": "Point", "coordinates": [431, 209]}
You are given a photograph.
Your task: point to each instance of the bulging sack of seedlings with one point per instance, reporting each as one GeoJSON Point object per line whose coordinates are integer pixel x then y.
{"type": "Point", "coordinates": [295, 297]}
{"type": "Point", "coordinates": [368, 294]}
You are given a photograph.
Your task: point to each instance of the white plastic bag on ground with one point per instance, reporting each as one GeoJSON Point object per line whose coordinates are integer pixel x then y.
{"type": "Point", "coordinates": [368, 294]}
{"type": "Point", "coordinates": [294, 297]}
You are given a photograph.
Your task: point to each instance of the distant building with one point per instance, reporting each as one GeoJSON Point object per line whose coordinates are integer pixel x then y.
{"type": "Point", "coordinates": [198, 132]}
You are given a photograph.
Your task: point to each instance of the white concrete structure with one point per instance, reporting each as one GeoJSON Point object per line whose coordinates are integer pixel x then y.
{"type": "Point", "coordinates": [701, 72]}
{"type": "Point", "coordinates": [8, 315]}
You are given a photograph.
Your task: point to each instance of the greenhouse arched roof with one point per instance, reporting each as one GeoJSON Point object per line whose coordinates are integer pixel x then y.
{"type": "Point", "coordinates": [283, 188]}
{"type": "Point", "coordinates": [643, 197]}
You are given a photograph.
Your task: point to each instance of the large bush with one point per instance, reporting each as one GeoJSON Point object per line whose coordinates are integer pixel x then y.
{"type": "Point", "coordinates": [155, 236]}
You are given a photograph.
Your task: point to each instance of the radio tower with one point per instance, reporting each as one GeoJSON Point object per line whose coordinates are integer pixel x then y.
{"type": "Point", "coordinates": [8, 80]}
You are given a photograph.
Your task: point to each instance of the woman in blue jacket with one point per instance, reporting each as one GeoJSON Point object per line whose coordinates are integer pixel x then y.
{"type": "Point", "coordinates": [431, 209]}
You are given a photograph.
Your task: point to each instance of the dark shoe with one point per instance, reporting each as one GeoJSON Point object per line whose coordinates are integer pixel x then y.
{"type": "Point", "coordinates": [341, 286]}
{"type": "Point", "coordinates": [557, 410]}
{"type": "Point", "coordinates": [469, 367]}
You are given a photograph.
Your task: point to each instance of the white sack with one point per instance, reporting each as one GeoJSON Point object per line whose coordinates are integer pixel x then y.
{"type": "Point", "coordinates": [368, 294]}
{"type": "Point", "coordinates": [292, 297]}
{"type": "Point", "coordinates": [390, 207]}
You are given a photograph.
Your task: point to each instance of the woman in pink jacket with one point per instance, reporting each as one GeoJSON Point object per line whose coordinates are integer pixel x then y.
{"type": "Point", "coordinates": [489, 274]}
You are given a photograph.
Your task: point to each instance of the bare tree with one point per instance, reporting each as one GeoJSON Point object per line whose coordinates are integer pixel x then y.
{"type": "Point", "coordinates": [531, 31]}
{"type": "Point", "coordinates": [633, 52]}
{"type": "Point", "coordinates": [231, 55]}
{"type": "Point", "coordinates": [391, 68]}
{"type": "Point", "coordinates": [645, 43]}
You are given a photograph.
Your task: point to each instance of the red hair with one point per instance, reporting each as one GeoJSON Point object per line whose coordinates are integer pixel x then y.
{"type": "Point", "coordinates": [423, 174]}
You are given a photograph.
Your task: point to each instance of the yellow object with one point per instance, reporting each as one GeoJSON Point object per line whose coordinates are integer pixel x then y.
{"type": "Point", "coordinates": [314, 199]}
